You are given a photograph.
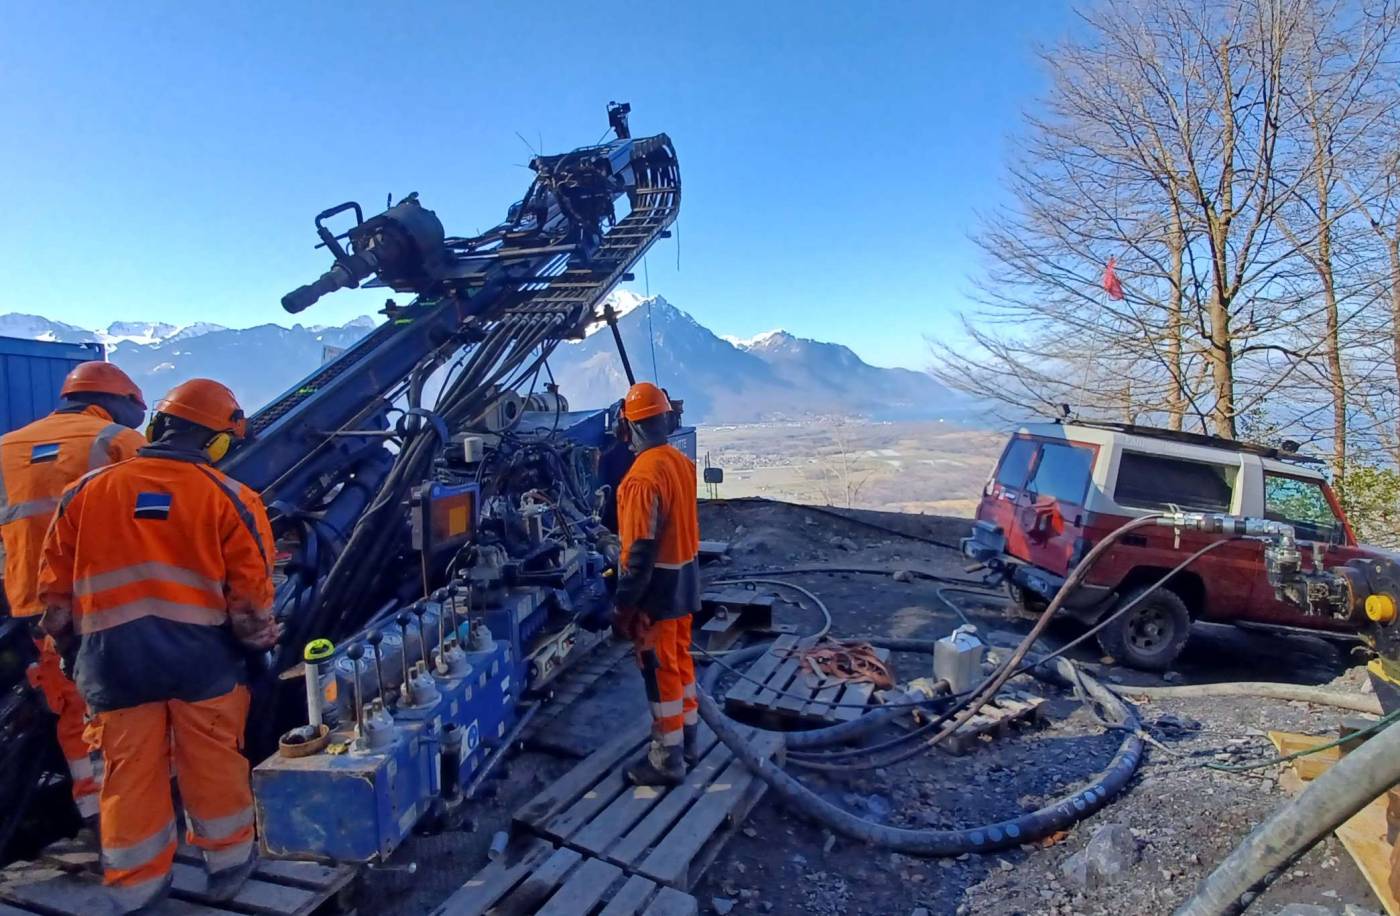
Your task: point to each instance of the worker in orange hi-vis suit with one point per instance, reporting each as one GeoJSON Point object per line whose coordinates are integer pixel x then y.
{"type": "Point", "coordinates": [658, 585]}
{"type": "Point", "coordinates": [94, 426]}
{"type": "Point", "coordinates": [156, 574]}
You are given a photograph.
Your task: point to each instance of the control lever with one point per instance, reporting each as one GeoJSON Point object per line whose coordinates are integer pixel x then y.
{"type": "Point", "coordinates": [419, 610]}
{"type": "Point", "coordinates": [452, 609]}
{"type": "Point", "coordinates": [356, 652]}
{"type": "Point", "coordinates": [374, 639]}
{"type": "Point", "coordinates": [403, 619]}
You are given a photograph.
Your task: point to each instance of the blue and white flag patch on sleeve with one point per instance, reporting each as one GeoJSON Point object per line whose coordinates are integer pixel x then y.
{"type": "Point", "coordinates": [153, 505]}
{"type": "Point", "coordinates": [46, 451]}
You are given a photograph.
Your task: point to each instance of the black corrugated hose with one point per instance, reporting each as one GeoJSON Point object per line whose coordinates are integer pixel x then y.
{"type": "Point", "coordinates": [929, 842]}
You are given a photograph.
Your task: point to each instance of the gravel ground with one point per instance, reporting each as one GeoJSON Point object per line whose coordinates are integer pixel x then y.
{"type": "Point", "coordinates": [1180, 817]}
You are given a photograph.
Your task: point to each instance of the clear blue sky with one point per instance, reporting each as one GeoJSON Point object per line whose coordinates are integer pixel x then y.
{"type": "Point", "coordinates": [164, 161]}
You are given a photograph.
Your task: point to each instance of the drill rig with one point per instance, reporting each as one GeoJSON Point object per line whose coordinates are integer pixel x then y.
{"type": "Point", "coordinates": [437, 509]}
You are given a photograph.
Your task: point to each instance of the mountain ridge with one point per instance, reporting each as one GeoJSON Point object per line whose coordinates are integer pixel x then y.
{"type": "Point", "coordinates": [773, 376]}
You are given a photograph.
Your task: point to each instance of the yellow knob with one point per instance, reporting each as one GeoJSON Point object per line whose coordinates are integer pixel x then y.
{"type": "Point", "coordinates": [318, 650]}
{"type": "Point", "coordinates": [1380, 608]}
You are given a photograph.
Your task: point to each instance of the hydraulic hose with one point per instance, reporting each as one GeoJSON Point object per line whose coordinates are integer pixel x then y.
{"type": "Point", "coordinates": [1357, 702]}
{"type": "Point", "coordinates": [1328, 802]}
{"type": "Point", "coordinates": [929, 842]}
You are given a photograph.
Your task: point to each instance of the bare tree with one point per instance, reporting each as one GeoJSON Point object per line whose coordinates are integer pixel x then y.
{"type": "Point", "coordinates": [1202, 143]}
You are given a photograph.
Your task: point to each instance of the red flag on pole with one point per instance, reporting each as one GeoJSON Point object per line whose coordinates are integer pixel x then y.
{"type": "Point", "coordinates": [1110, 281]}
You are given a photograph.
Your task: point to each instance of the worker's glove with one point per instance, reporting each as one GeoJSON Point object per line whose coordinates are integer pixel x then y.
{"type": "Point", "coordinates": [256, 632]}
{"type": "Point", "coordinates": [628, 623]}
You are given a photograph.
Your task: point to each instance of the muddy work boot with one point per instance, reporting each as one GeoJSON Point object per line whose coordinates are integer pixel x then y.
{"type": "Point", "coordinates": [663, 766]}
{"type": "Point", "coordinates": [225, 883]}
{"type": "Point", "coordinates": [691, 746]}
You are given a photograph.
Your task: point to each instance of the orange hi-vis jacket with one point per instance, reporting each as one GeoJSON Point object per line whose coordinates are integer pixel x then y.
{"type": "Point", "coordinates": [148, 562]}
{"type": "Point", "coordinates": [660, 531]}
{"type": "Point", "coordinates": [36, 463]}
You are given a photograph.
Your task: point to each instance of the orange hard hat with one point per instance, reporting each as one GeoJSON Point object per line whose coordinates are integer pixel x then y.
{"type": "Point", "coordinates": [97, 377]}
{"type": "Point", "coordinates": [206, 403]}
{"type": "Point", "coordinates": [645, 400]}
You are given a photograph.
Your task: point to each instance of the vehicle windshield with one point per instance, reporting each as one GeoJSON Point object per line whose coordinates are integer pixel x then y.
{"type": "Point", "coordinates": [1304, 505]}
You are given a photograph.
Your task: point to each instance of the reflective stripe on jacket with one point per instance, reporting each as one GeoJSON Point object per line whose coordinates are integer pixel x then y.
{"type": "Point", "coordinates": [36, 463]}
{"type": "Point", "coordinates": [660, 533]}
{"type": "Point", "coordinates": [145, 562]}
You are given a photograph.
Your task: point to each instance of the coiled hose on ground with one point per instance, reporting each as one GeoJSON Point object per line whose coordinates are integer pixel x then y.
{"type": "Point", "coordinates": [930, 842]}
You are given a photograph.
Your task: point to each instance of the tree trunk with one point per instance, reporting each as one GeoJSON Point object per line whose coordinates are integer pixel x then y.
{"type": "Point", "coordinates": [1176, 395]}
{"type": "Point", "coordinates": [1336, 380]}
{"type": "Point", "coordinates": [1393, 247]}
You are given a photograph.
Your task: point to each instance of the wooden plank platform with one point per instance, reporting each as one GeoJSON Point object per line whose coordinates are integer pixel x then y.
{"type": "Point", "coordinates": [533, 877]}
{"type": "Point", "coordinates": [787, 697]}
{"type": "Point", "coordinates": [669, 836]}
{"type": "Point", "coordinates": [993, 721]}
{"type": "Point", "coordinates": [575, 682]}
{"type": "Point", "coordinates": [66, 879]}
{"type": "Point", "coordinates": [1364, 836]}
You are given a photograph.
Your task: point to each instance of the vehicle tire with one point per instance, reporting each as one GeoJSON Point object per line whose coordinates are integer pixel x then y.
{"type": "Point", "coordinates": [1152, 634]}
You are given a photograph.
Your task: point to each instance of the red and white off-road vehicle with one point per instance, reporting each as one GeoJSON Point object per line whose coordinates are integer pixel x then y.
{"type": "Point", "coordinates": [1060, 487]}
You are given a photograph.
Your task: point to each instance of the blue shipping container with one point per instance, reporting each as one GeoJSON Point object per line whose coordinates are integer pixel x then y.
{"type": "Point", "coordinates": [31, 372]}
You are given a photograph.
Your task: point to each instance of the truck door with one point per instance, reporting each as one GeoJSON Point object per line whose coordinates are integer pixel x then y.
{"type": "Point", "coordinates": [1003, 493]}
{"type": "Point", "coordinates": [1050, 512]}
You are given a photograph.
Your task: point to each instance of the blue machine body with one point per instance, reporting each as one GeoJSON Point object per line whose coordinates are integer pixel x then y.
{"type": "Point", "coordinates": [354, 805]}
{"type": "Point", "coordinates": [31, 373]}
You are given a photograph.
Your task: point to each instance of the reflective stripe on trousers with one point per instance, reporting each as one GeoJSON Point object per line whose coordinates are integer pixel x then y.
{"type": "Point", "coordinates": [139, 744]}
{"type": "Point", "coordinates": [128, 858]}
{"type": "Point", "coordinates": [668, 674]}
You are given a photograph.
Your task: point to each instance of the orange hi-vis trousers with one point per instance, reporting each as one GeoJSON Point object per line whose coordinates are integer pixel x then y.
{"type": "Point", "coordinates": [138, 815]}
{"type": "Point", "coordinates": [64, 701]}
{"type": "Point", "coordinates": [663, 654]}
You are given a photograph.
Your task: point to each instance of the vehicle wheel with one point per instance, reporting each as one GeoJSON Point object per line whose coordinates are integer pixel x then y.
{"type": "Point", "coordinates": [1152, 634]}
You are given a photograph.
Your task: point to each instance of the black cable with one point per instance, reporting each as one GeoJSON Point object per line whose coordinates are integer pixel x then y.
{"type": "Point", "coordinates": [1026, 667]}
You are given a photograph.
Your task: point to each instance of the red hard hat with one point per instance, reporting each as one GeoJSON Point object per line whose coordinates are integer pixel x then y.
{"type": "Point", "coordinates": [206, 403]}
{"type": "Point", "coordinates": [645, 400]}
{"type": "Point", "coordinates": [97, 377]}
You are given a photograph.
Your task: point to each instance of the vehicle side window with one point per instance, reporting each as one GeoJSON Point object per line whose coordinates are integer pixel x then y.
{"type": "Point", "coordinates": [1156, 482]}
{"type": "Point", "coordinates": [1302, 504]}
{"type": "Point", "coordinates": [1063, 472]}
{"type": "Point", "coordinates": [1016, 463]}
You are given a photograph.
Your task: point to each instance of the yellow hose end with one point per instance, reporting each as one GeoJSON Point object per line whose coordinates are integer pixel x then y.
{"type": "Point", "coordinates": [1380, 608]}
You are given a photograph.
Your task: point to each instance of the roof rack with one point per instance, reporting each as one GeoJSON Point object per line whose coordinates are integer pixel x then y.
{"type": "Point", "coordinates": [1172, 435]}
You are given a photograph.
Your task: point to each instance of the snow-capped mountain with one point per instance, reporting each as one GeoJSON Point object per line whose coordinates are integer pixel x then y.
{"type": "Point", "coordinates": [722, 380]}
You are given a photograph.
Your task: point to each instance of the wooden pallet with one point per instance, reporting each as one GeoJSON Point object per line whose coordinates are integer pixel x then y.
{"type": "Point", "coordinates": [1365, 835]}
{"type": "Point", "coordinates": [994, 720]}
{"type": "Point", "coordinates": [533, 877]}
{"type": "Point", "coordinates": [66, 879]}
{"type": "Point", "coordinates": [669, 836]}
{"type": "Point", "coordinates": [576, 682]}
{"type": "Point", "coordinates": [787, 697]}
